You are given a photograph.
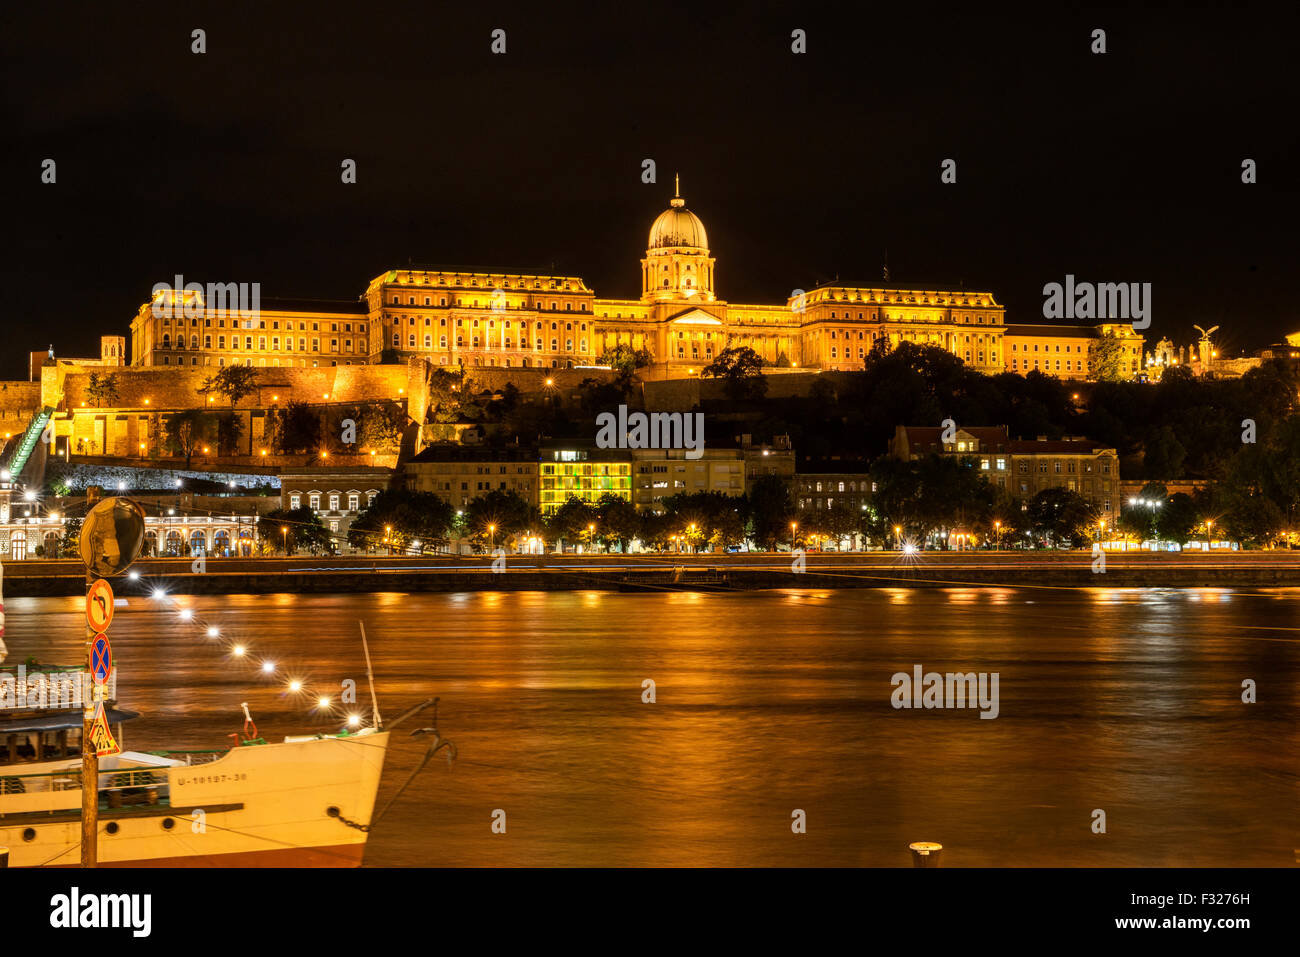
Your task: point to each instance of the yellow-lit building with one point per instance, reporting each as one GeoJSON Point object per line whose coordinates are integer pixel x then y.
{"type": "Point", "coordinates": [182, 329]}
{"type": "Point", "coordinates": [587, 474]}
{"type": "Point", "coordinates": [522, 320]}
{"type": "Point", "coordinates": [662, 473]}
{"type": "Point", "coordinates": [459, 474]}
{"type": "Point", "coordinates": [506, 319]}
{"type": "Point", "coordinates": [1063, 351]}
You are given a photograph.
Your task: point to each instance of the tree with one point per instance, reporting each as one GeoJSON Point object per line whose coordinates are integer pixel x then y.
{"type": "Point", "coordinates": [497, 517]}
{"type": "Point", "coordinates": [617, 520]}
{"type": "Point", "coordinates": [1062, 516]}
{"type": "Point", "coordinates": [102, 388]}
{"type": "Point", "coordinates": [70, 543]}
{"type": "Point", "coordinates": [232, 381]}
{"type": "Point", "coordinates": [741, 369]}
{"type": "Point", "coordinates": [769, 508]}
{"type": "Point", "coordinates": [719, 518]}
{"type": "Point", "coordinates": [187, 432]}
{"type": "Point", "coordinates": [379, 427]}
{"type": "Point", "coordinates": [288, 530]}
{"type": "Point", "coordinates": [1106, 358]}
{"type": "Point", "coordinates": [1177, 519]}
{"type": "Point", "coordinates": [402, 517]}
{"type": "Point", "coordinates": [1164, 454]}
{"type": "Point", "coordinates": [625, 360]}
{"type": "Point", "coordinates": [298, 428]}
{"type": "Point", "coordinates": [569, 522]}
{"type": "Point", "coordinates": [229, 430]}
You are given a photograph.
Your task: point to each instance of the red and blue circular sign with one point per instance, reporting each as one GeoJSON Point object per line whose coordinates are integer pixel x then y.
{"type": "Point", "coordinates": [101, 659]}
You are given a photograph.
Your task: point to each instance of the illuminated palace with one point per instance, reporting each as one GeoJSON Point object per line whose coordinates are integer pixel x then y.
{"type": "Point", "coordinates": [516, 320]}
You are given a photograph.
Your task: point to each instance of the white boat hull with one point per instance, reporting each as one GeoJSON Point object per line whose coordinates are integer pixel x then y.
{"type": "Point", "coordinates": [301, 803]}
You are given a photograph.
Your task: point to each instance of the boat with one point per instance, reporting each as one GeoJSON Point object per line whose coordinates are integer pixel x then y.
{"type": "Point", "coordinates": [306, 801]}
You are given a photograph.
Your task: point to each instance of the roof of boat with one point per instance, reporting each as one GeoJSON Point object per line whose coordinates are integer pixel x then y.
{"type": "Point", "coordinates": [60, 721]}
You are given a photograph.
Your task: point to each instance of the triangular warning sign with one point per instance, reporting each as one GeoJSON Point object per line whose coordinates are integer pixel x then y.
{"type": "Point", "coordinates": [101, 738]}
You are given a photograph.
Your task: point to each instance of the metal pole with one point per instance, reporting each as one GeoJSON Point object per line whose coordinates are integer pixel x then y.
{"type": "Point", "coordinates": [89, 759]}
{"type": "Point", "coordinates": [925, 853]}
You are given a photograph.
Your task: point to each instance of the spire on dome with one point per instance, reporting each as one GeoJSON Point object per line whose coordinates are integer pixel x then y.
{"type": "Point", "coordinates": [677, 201]}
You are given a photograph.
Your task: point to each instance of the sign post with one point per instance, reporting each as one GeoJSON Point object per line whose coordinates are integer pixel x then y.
{"type": "Point", "coordinates": [112, 536]}
{"type": "Point", "coordinates": [99, 609]}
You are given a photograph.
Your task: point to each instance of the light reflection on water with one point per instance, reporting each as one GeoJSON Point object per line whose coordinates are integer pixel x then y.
{"type": "Point", "coordinates": [1125, 700]}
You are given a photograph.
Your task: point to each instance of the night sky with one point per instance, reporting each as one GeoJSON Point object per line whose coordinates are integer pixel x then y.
{"type": "Point", "coordinates": [225, 166]}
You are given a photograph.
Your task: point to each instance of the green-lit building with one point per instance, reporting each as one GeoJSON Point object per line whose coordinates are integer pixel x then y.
{"type": "Point", "coordinates": [585, 473]}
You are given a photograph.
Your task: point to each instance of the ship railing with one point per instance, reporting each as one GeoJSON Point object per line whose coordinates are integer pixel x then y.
{"type": "Point", "coordinates": [70, 780]}
{"type": "Point", "coordinates": [40, 781]}
{"type": "Point", "coordinates": [193, 756]}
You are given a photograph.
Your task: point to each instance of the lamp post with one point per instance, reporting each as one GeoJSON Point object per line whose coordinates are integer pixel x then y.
{"type": "Point", "coordinates": [997, 536]}
{"type": "Point", "coordinates": [898, 537]}
{"type": "Point", "coordinates": [691, 529]}
{"type": "Point", "coordinates": [388, 535]}
{"type": "Point", "coordinates": [492, 536]}
{"type": "Point", "coordinates": [591, 537]}
{"type": "Point", "coordinates": [284, 539]}
{"type": "Point", "coordinates": [794, 535]}
{"type": "Point", "coordinates": [1209, 525]}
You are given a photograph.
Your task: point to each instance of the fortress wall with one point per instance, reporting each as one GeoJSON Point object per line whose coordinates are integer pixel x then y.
{"type": "Point", "coordinates": [19, 401]}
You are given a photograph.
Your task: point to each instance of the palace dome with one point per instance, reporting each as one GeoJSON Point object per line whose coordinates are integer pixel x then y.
{"type": "Point", "coordinates": [678, 226]}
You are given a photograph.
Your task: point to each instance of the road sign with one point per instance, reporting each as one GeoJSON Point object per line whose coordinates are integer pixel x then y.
{"type": "Point", "coordinates": [99, 606]}
{"type": "Point", "coordinates": [101, 659]}
{"type": "Point", "coordinates": [101, 738]}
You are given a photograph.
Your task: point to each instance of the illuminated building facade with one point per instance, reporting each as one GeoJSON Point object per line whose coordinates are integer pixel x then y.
{"type": "Point", "coordinates": [182, 329]}
{"type": "Point", "coordinates": [1022, 467]}
{"type": "Point", "coordinates": [1063, 351]}
{"type": "Point", "coordinates": [586, 474]}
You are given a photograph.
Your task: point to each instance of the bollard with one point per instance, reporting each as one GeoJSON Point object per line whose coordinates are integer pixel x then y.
{"type": "Point", "coordinates": [4, 857]}
{"type": "Point", "coordinates": [925, 853]}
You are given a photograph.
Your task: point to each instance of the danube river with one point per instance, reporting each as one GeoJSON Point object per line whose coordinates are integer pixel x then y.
{"type": "Point", "coordinates": [1127, 701]}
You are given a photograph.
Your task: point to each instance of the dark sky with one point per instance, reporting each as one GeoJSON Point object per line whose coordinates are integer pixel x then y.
{"type": "Point", "coordinates": [225, 167]}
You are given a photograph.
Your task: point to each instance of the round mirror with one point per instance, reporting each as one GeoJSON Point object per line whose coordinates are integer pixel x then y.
{"type": "Point", "coordinates": [112, 536]}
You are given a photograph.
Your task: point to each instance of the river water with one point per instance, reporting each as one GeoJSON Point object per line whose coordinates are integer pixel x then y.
{"type": "Point", "coordinates": [1127, 701]}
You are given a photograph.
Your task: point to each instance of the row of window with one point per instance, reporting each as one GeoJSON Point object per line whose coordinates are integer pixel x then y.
{"type": "Point", "coordinates": [491, 324]}
{"type": "Point", "coordinates": [261, 324]}
{"type": "Point", "coordinates": [520, 284]}
{"type": "Point", "coordinates": [498, 302]}
{"type": "Point", "coordinates": [261, 343]}
{"type": "Point", "coordinates": [506, 343]}
{"type": "Point", "coordinates": [314, 500]}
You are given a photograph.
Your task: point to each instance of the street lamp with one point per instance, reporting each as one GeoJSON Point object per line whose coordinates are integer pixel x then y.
{"type": "Point", "coordinates": [794, 534]}
{"type": "Point", "coordinates": [691, 529]}
{"type": "Point", "coordinates": [591, 536]}
{"type": "Point", "coordinates": [1209, 525]}
{"type": "Point", "coordinates": [284, 538]}
{"type": "Point", "coordinates": [492, 532]}
{"type": "Point", "coordinates": [898, 536]}
{"type": "Point", "coordinates": [997, 536]}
